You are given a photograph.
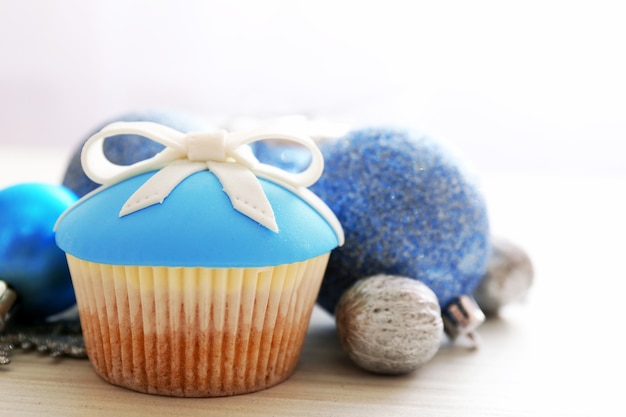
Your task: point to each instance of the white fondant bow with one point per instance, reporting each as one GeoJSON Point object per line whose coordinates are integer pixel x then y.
{"type": "Point", "coordinates": [221, 152]}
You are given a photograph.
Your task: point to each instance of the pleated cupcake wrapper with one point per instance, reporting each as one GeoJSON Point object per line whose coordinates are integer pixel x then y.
{"type": "Point", "coordinates": [195, 332]}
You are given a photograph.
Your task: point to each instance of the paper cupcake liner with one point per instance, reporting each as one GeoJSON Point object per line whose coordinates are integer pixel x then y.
{"type": "Point", "coordinates": [195, 332]}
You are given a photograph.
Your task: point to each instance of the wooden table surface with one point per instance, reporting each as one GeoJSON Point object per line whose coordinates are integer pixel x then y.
{"type": "Point", "coordinates": [559, 353]}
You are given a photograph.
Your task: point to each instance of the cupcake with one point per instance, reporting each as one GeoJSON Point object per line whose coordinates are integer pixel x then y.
{"type": "Point", "coordinates": [196, 271]}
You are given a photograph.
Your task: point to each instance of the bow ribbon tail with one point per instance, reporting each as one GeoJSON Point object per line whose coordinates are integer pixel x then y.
{"type": "Point", "coordinates": [160, 185]}
{"type": "Point", "coordinates": [245, 192]}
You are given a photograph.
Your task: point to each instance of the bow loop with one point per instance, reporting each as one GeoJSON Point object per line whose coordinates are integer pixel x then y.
{"type": "Point", "coordinates": [225, 154]}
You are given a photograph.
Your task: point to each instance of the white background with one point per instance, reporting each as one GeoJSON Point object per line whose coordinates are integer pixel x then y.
{"type": "Point", "coordinates": [518, 86]}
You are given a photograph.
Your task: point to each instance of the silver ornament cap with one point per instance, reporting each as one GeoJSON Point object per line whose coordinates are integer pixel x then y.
{"type": "Point", "coordinates": [461, 317]}
{"type": "Point", "coordinates": [8, 297]}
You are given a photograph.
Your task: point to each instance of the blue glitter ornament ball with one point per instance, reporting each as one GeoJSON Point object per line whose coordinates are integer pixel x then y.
{"type": "Point", "coordinates": [408, 208]}
{"type": "Point", "coordinates": [127, 149]}
{"type": "Point", "coordinates": [30, 261]}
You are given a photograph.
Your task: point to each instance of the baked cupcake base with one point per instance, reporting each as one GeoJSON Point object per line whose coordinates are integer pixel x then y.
{"type": "Point", "coordinates": [195, 332]}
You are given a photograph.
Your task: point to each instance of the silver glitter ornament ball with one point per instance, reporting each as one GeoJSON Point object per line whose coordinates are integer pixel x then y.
{"type": "Point", "coordinates": [389, 324]}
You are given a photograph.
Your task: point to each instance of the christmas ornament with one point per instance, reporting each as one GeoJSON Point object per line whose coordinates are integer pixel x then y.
{"type": "Point", "coordinates": [408, 207]}
{"type": "Point", "coordinates": [56, 339]}
{"type": "Point", "coordinates": [461, 317]}
{"type": "Point", "coordinates": [509, 276]}
{"type": "Point", "coordinates": [389, 324]}
{"type": "Point", "coordinates": [31, 264]}
{"type": "Point", "coordinates": [127, 149]}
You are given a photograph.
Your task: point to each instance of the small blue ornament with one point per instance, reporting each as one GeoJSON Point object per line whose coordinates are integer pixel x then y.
{"type": "Point", "coordinates": [30, 261]}
{"type": "Point", "coordinates": [291, 158]}
{"type": "Point", "coordinates": [408, 208]}
{"type": "Point", "coordinates": [127, 149]}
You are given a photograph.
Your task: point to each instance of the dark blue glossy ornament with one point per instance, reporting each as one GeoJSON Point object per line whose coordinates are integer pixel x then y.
{"type": "Point", "coordinates": [30, 261]}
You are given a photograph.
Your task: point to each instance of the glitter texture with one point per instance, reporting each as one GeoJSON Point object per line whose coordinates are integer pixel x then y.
{"type": "Point", "coordinates": [408, 208]}
{"type": "Point", "coordinates": [127, 149]}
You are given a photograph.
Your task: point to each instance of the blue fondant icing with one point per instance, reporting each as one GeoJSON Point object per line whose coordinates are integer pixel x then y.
{"type": "Point", "coordinates": [195, 226]}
